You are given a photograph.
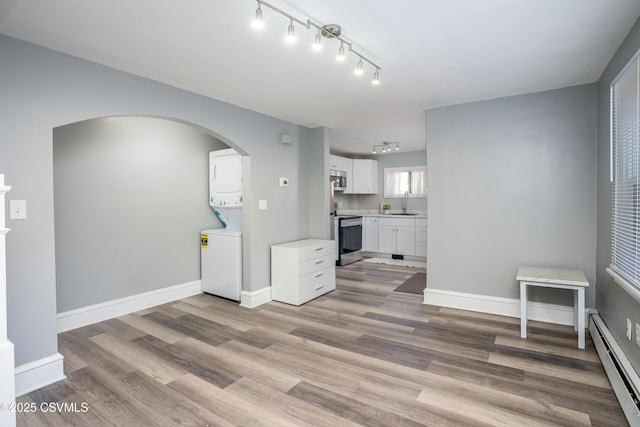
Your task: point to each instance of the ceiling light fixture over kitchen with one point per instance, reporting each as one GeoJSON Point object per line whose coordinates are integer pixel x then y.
{"type": "Point", "coordinates": [386, 147]}
{"type": "Point", "coordinates": [329, 31]}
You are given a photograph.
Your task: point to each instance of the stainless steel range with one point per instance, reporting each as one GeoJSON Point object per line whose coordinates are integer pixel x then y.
{"type": "Point", "coordinates": [349, 239]}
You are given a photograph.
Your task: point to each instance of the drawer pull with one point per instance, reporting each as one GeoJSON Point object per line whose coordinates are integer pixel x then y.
{"type": "Point", "coordinates": [319, 261]}
{"type": "Point", "coordinates": [319, 274]}
{"type": "Point", "coordinates": [319, 287]}
{"type": "Point", "coordinates": [320, 248]}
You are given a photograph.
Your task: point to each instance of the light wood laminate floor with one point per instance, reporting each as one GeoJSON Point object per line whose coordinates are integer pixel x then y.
{"type": "Point", "coordinates": [360, 355]}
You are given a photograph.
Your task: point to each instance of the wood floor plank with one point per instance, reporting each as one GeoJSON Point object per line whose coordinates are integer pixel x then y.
{"type": "Point", "coordinates": [362, 354]}
{"type": "Point", "coordinates": [232, 410]}
{"type": "Point", "coordinates": [242, 365]}
{"type": "Point", "coordinates": [349, 409]}
{"type": "Point", "coordinates": [138, 357]}
{"type": "Point", "coordinates": [288, 407]}
{"type": "Point", "coordinates": [153, 328]}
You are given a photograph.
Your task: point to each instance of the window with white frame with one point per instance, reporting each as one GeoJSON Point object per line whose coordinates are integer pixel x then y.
{"type": "Point", "coordinates": [625, 161]}
{"type": "Point", "coordinates": [411, 179]}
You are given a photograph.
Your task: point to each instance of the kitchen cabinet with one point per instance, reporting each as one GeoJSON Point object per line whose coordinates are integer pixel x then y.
{"type": "Point", "coordinates": [365, 176]}
{"type": "Point", "coordinates": [421, 237]}
{"type": "Point", "coordinates": [370, 234]}
{"type": "Point", "coordinates": [397, 236]}
{"type": "Point", "coordinates": [343, 164]}
{"type": "Point", "coordinates": [302, 270]}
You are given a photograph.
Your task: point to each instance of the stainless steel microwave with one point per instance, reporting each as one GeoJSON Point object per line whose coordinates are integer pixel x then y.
{"type": "Point", "coordinates": [338, 180]}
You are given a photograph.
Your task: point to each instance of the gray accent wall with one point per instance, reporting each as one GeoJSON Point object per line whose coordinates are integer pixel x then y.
{"type": "Point", "coordinates": [512, 181]}
{"type": "Point", "coordinates": [43, 90]}
{"type": "Point", "coordinates": [614, 304]}
{"type": "Point", "coordinates": [130, 199]}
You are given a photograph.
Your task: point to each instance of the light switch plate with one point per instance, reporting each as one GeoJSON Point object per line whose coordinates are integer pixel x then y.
{"type": "Point", "coordinates": [638, 334]}
{"type": "Point", "coordinates": [17, 209]}
{"type": "Point", "coordinates": [262, 204]}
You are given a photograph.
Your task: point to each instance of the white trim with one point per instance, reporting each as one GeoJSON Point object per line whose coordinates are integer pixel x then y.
{"type": "Point", "coordinates": [39, 373]}
{"type": "Point", "coordinates": [543, 312]}
{"type": "Point", "coordinates": [255, 298]}
{"type": "Point", "coordinates": [624, 284]}
{"type": "Point", "coordinates": [7, 385]}
{"type": "Point", "coordinates": [119, 307]}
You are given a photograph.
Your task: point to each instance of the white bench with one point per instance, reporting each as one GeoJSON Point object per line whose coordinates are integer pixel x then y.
{"type": "Point", "coordinates": [554, 278]}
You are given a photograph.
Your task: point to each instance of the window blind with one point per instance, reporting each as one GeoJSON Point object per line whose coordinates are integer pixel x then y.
{"type": "Point", "coordinates": [625, 233]}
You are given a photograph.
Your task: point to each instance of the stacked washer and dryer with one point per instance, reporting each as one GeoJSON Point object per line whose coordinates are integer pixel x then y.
{"type": "Point", "coordinates": [221, 248]}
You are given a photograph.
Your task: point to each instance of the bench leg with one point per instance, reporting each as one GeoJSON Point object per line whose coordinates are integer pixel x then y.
{"type": "Point", "coordinates": [523, 310]}
{"type": "Point", "coordinates": [576, 310]}
{"type": "Point", "coordinates": [580, 322]}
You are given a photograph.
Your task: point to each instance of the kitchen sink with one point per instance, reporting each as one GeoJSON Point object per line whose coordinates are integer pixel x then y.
{"type": "Point", "coordinates": [404, 214]}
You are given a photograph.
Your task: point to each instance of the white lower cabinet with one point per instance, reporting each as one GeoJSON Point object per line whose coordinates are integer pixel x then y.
{"type": "Point", "coordinates": [397, 236]}
{"type": "Point", "coordinates": [421, 237]}
{"type": "Point", "coordinates": [370, 234]}
{"type": "Point", "coordinates": [302, 270]}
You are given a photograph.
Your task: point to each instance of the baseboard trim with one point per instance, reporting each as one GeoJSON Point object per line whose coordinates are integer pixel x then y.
{"type": "Point", "coordinates": [255, 298]}
{"type": "Point", "coordinates": [543, 312]}
{"type": "Point", "coordinates": [39, 373]}
{"type": "Point", "coordinates": [107, 310]}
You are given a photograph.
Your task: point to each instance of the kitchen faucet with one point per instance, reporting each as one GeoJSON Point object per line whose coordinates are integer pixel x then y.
{"type": "Point", "coordinates": [405, 199]}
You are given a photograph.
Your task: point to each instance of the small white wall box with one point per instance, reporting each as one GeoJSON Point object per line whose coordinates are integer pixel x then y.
{"type": "Point", "coordinates": [285, 139]}
{"type": "Point", "coordinates": [284, 182]}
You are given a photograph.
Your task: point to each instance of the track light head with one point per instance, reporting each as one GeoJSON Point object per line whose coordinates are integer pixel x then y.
{"type": "Point", "coordinates": [341, 56]}
{"type": "Point", "coordinates": [317, 42]}
{"type": "Point", "coordinates": [376, 77]}
{"type": "Point", "coordinates": [257, 22]}
{"type": "Point", "coordinates": [291, 37]}
{"type": "Point", "coordinates": [358, 71]}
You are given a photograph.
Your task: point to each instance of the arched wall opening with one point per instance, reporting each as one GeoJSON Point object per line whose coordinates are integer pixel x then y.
{"type": "Point", "coordinates": [130, 199]}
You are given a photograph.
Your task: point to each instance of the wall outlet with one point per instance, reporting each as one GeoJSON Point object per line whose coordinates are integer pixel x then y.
{"type": "Point", "coordinates": [638, 334]}
{"type": "Point", "coordinates": [629, 329]}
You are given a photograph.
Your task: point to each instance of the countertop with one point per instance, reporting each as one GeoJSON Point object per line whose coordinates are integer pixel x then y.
{"type": "Point", "coordinates": [374, 212]}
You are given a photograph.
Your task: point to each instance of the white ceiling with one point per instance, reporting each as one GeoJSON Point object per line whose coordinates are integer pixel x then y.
{"type": "Point", "coordinates": [431, 52]}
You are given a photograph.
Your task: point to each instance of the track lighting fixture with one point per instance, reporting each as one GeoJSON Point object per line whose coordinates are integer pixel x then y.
{"type": "Point", "coordinates": [332, 31]}
{"type": "Point", "coordinates": [386, 147]}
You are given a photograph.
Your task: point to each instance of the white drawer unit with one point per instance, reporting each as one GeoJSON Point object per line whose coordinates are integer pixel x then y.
{"type": "Point", "coordinates": [302, 270]}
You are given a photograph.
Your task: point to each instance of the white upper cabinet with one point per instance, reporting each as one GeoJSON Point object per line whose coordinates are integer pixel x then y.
{"type": "Point", "coordinates": [365, 176]}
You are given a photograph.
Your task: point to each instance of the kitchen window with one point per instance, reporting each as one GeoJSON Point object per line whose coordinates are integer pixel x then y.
{"type": "Point", "coordinates": [412, 179]}
{"type": "Point", "coordinates": [625, 162]}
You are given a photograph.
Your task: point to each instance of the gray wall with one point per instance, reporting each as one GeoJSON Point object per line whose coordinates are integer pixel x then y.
{"type": "Point", "coordinates": [613, 302]}
{"type": "Point", "coordinates": [391, 160]}
{"type": "Point", "coordinates": [43, 90]}
{"type": "Point", "coordinates": [511, 182]}
{"type": "Point", "coordinates": [129, 193]}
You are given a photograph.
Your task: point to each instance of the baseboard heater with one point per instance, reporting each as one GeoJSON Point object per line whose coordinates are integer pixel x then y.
{"type": "Point", "coordinates": [624, 379]}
